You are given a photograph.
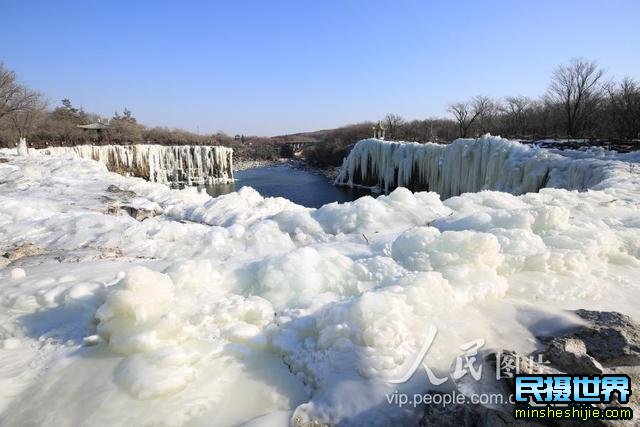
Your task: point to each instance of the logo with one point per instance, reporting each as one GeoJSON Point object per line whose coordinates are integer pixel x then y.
{"type": "Point", "coordinates": [469, 361]}
{"type": "Point", "coordinates": [577, 397]}
{"type": "Point", "coordinates": [543, 389]}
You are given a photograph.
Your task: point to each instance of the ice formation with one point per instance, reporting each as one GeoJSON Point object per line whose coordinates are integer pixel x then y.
{"type": "Point", "coordinates": [471, 165]}
{"type": "Point", "coordinates": [22, 149]}
{"type": "Point", "coordinates": [175, 164]}
{"type": "Point", "coordinates": [244, 309]}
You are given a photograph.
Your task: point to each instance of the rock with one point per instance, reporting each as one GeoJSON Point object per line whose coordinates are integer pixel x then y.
{"type": "Point", "coordinates": [23, 250]}
{"type": "Point", "coordinates": [512, 363]}
{"type": "Point", "coordinates": [611, 338]}
{"type": "Point", "coordinates": [500, 413]}
{"type": "Point", "coordinates": [608, 343]}
{"type": "Point", "coordinates": [113, 208]}
{"type": "Point", "coordinates": [498, 375]}
{"type": "Point", "coordinates": [570, 355]}
{"type": "Point", "coordinates": [139, 213]}
{"type": "Point", "coordinates": [117, 190]}
{"type": "Point", "coordinates": [634, 374]}
{"type": "Point", "coordinates": [469, 415]}
{"type": "Point", "coordinates": [560, 357]}
{"type": "Point", "coordinates": [136, 212]}
{"type": "Point", "coordinates": [124, 201]}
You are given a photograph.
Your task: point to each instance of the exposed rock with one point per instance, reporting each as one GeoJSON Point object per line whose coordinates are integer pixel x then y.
{"type": "Point", "coordinates": [126, 202]}
{"type": "Point", "coordinates": [512, 363]}
{"type": "Point", "coordinates": [139, 213]}
{"type": "Point", "coordinates": [608, 343]}
{"type": "Point", "coordinates": [4, 160]}
{"type": "Point", "coordinates": [113, 208]}
{"type": "Point", "coordinates": [634, 374]}
{"type": "Point", "coordinates": [469, 415]}
{"type": "Point", "coordinates": [474, 415]}
{"type": "Point", "coordinates": [610, 338]}
{"type": "Point", "coordinates": [117, 190]}
{"type": "Point", "coordinates": [22, 250]}
{"type": "Point", "coordinates": [570, 355]}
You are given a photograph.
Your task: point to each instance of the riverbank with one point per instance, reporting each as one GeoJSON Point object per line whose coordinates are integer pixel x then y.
{"type": "Point", "coordinates": [329, 173]}
{"type": "Point", "coordinates": [240, 165]}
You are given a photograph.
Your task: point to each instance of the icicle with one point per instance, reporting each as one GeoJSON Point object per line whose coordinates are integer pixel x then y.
{"type": "Point", "coordinates": [467, 165]}
{"type": "Point", "coordinates": [23, 150]}
{"type": "Point", "coordinates": [166, 164]}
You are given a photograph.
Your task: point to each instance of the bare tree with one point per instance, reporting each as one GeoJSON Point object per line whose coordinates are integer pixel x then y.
{"type": "Point", "coordinates": [624, 102]}
{"type": "Point", "coordinates": [462, 112]}
{"type": "Point", "coordinates": [516, 111]}
{"type": "Point", "coordinates": [485, 110]}
{"type": "Point", "coordinates": [575, 87]}
{"type": "Point", "coordinates": [467, 113]}
{"type": "Point", "coordinates": [31, 107]}
{"type": "Point", "coordinates": [393, 122]}
{"type": "Point", "coordinates": [414, 131]}
{"type": "Point", "coordinates": [13, 96]}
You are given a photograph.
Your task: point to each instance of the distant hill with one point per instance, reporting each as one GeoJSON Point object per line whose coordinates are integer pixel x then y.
{"type": "Point", "coordinates": [313, 136]}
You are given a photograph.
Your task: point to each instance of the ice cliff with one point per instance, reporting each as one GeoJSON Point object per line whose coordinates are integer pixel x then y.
{"type": "Point", "coordinates": [471, 165]}
{"type": "Point", "coordinates": [174, 164]}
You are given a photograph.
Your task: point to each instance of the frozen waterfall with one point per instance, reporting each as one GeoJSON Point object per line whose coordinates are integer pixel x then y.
{"type": "Point", "coordinates": [175, 164]}
{"type": "Point", "coordinates": [471, 165]}
{"type": "Point", "coordinates": [23, 150]}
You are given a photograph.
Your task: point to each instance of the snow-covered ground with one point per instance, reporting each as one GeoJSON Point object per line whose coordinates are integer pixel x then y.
{"type": "Point", "coordinates": [239, 308]}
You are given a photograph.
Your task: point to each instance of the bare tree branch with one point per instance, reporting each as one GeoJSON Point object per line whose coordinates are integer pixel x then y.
{"type": "Point", "coordinates": [576, 88]}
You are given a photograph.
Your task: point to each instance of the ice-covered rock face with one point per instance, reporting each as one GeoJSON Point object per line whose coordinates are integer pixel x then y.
{"type": "Point", "coordinates": [471, 165]}
{"type": "Point", "coordinates": [175, 164]}
{"type": "Point", "coordinates": [218, 310]}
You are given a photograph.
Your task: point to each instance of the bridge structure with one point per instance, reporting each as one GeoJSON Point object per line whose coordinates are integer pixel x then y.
{"type": "Point", "coordinates": [295, 148]}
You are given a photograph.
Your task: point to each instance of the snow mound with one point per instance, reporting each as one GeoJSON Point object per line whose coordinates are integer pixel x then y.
{"type": "Point", "coordinates": [136, 315]}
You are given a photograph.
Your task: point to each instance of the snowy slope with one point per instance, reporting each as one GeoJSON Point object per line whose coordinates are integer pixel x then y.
{"type": "Point", "coordinates": [179, 164]}
{"type": "Point", "coordinates": [219, 311]}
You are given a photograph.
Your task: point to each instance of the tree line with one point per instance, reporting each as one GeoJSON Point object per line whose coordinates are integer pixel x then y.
{"type": "Point", "coordinates": [580, 103]}
{"type": "Point", "coordinates": [24, 114]}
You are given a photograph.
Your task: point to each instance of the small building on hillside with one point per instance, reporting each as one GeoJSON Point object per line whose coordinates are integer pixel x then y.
{"type": "Point", "coordinates": [98, 127]}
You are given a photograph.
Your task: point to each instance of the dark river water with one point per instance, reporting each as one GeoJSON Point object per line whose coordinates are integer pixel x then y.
{"type": "Point", "coordinates": [298, 185]}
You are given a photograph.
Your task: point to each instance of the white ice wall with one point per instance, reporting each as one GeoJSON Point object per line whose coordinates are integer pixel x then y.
{"type": "Point", "coordinates": [179, 164]}
{"type": "Point", "coordinates": [471, 165]}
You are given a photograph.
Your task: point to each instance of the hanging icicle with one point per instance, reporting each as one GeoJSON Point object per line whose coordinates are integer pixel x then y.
{"type": "Point", "coordinates": [469, 165]}
{"type": "Point", "coordinates": [173, 164]}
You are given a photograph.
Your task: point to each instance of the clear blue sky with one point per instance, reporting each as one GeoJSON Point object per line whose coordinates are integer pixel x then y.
{"type": "Point", "coordinates": [273, 67]}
